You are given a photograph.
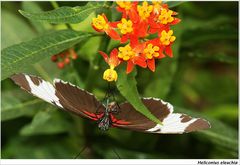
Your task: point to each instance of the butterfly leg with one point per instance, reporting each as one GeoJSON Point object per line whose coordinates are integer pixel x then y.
{"type": "Point", "coordinates": [80, 152]}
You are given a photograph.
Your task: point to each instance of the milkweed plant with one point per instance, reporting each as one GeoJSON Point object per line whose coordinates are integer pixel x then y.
{"type": "Point", "coordinates": [138, 22]}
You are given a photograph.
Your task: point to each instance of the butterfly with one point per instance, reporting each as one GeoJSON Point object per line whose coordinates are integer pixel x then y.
{"type": "Point", "coordinates": [80, 102]}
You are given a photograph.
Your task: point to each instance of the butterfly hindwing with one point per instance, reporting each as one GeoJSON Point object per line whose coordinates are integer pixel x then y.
{"type": "Point", "coordinates": [173, 123]}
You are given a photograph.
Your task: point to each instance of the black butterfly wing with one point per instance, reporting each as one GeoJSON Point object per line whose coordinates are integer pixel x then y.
{"type": "Point", "coordinates": [78, 100]}
{"type": "Point", "coordinates": [173, 123]}
{"type": "Point", "coordinates": [73, 99]}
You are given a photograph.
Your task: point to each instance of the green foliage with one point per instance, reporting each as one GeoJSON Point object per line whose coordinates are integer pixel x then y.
{"type": "Point", "coordinates": [165, 72]}
{"type": "Point", "coordinates": [34, 7]}
{"type": "Point", "coordinates": [64, 14]}
{"type": "Point", "coordinates": [46, 122]}
{"type": "Point", "coordinates": [200, 80]}
{"type": "Point", "coordinates": [17, 57]}
{"type": "Point", "coordinates": [219, 133]}
{"type": "Point", "coordinates": [14, 106]}
{"type": "Point", "coordinates": [127, 86]}
{"type": "Point", "coordinates": [12, 35]}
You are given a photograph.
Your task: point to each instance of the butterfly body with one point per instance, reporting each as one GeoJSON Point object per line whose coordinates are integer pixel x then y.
{"type": "Point", "coordinates": [105, 122]}
{"type": "Point", "coordinates": [73, 99]}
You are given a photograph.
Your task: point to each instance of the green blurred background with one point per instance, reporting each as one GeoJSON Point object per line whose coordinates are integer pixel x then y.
{"type": "Point", "coordinates": [201, 80]}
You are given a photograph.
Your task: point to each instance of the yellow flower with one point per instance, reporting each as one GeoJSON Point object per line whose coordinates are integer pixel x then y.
{"type": "Point", "coordinates": [126, 53]}
{"type": "Point", "coordinates": [125, 26]}
{"type": "Point", "coordinates": [157, 6]}
{"type": "Point", "coordinates": [100, 23]}
{"type": "Point", "coordinates": [110, 75]}
{"type": "Point", "coordinates": [124, 4]}
{"type": "Point", "coordinates": [151, 51]}
{"type": "Point", "coordinates": [167, 37]}
{"type": "Point", "coordinates": [145, 10]}
{"type": "Point", "coordinates": [166, 16]}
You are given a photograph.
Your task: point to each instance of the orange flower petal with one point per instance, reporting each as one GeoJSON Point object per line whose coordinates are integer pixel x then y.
{"type": "Point", "coordinates": [113, 34]}
{"type": "Point", "coordinates": [114, 58]}
{"type": "Point", "coordinates": [114, 24]}
{"type": "Point", "coordinates": [130, 66]}
{"type": "Point", "coordinates": [175, 21]}
{"type": "Point", "coordinates": [104, 55]}
{"type": "Point", "coordinates": [168, 51]}
{"type": "Point", "coordinates": [96, 29]}
{"type": "Point", "coordinates": [124, 39]}
{"type": "Point", "coordinates": [133, 41]}
{"type": "Point", "coordinates": [140, 61]}
{"type": "Point", "coordinates": [104, 16]}
{"type": "Point", "coordinates": [151, 64]}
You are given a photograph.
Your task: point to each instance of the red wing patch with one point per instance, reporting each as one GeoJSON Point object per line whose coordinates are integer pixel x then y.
{"type": "Point", "coordinates": [93, 116]}
{"type": "Point", "coordinates": [118, 122]}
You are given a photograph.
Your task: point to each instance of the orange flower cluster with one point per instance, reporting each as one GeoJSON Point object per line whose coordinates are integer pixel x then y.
{"type": "Point", "coordinates": [138, 22]}
{"type": "Point", "coordinates": [64, 58]}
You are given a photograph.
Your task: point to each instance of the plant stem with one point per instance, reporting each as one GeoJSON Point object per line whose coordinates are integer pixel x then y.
{"type": "Point", "coordinates": [54, 4]}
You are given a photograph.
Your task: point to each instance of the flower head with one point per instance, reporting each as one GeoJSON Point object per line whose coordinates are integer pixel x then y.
{"type": "Point", "coordinates": [165, 16]}
{"type": "Point", "coordinates": [167, 37]}
{"type": "Point", "coordinates": [133, 56]}
{"type": "Point", "coordinates": [125, 26]}
{"type": "Point", "coordinates": [145, 10]}
{"type": "Point", "coordinates": [101, 24]}
{"type": "Point", "coordinates": [113, 61]}
{"type": "Point", "coordinates": [151, 51]}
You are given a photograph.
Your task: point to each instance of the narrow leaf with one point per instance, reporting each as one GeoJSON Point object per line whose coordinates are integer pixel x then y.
{"type": "Point", "coordinates": [127, 86]}
{"type": "Point", "coordinates": [17, 57]}
{"type": "Point", "coordinates": [35, 7]}
{"type": "Point", "coordinates": [65, 14]}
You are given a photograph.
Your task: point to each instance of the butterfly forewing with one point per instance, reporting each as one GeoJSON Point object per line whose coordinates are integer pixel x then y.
{"type": "Point", "coordinates": [63, 95]}
{"type": "Point", "coordinates": [78, 100]}
{"type": "Point", "coordinates": [37, 87]}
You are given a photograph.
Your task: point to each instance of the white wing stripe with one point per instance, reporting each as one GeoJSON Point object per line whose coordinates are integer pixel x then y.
{"type": "Point", "coordinates": [172, 124]}
{"type": "Point", "coordinates": [44, 90]}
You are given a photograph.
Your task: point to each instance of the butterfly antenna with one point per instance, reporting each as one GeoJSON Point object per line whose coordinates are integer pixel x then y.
{"type": "Point", "coordinates": [115, 152]}
{"type": "Point", "coordinates": [80, 152]}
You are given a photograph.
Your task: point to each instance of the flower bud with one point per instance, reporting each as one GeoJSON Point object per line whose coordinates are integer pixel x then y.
{"type": "Point", "coordinates": [110, 75]}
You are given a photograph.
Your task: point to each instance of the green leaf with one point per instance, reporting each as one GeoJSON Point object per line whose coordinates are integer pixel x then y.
{"type": "Point", "coordinates": [12, 35]}
{"type": "Point", "coordinates": [127, 85]}
{"type": "Point", "coordinates": [173, 3]}
{"type": "Point", "coordinates": [18, 57]}
{"type": "Point", "coordinates": [46, 122]}
{"type": "Point", "coordinates": [219, 133]}
{"type": "Point", "coordinates": [16, 103]}
{"type": "Point", "coordinates": [40, 147]}
{"type": "Point", "coordinates": [165, 71]}
{"type": "Point", "coordinates": [34, 7]}
{"type": "Point", "coordinates": [65, 14]}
